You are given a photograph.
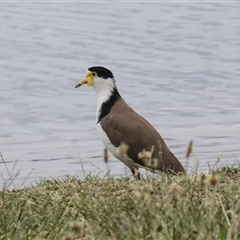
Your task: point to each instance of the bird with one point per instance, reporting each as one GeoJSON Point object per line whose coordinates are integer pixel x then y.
{"type": "Point", "coordinates": [126, 134]}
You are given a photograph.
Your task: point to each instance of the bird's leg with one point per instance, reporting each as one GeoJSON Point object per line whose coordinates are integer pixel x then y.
{"type": "Point", "coordinates": [135, 173]}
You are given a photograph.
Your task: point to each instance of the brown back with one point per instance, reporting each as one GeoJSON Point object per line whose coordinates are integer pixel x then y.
{"type": "Point", "coordinates": [123, 124]}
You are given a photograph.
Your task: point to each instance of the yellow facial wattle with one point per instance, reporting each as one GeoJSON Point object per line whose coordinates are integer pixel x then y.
{"type": "Point", "coordinates": [88, 79]}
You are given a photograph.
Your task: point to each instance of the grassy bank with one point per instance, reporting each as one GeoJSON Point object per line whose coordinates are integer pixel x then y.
{"type": "Point", "coordinates": [168, 207]}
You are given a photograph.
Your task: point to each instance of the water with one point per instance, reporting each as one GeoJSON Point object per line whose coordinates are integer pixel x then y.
{"type": "Point", "coordinates": [177, 64]}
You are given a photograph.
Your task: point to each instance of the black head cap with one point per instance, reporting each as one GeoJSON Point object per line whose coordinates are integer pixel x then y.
{"type": "Point", "coordinates": [102, 72]}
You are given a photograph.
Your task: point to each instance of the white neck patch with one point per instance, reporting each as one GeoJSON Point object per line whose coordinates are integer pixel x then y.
{"type": "Point", "coordinates": [104, 89]}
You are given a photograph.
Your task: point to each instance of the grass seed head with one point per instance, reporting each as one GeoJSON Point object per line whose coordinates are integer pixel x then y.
{"type": "Point", "coordinates": [76, 227]}
{"type": "Point", "coordinates": [152, 163]}
{"type": "Point", "coordinates": [212, 179]}
{"type": "Point", "coordinates": [189, 149]}
{"type": "Point", "coordinates": [146, 157]}
{"type": "Point", "coordinates": [105, 155]}
{"type": "Point", "coordinates": [122, 149]}
{"type": "Point", "coordinates": [174, 189]}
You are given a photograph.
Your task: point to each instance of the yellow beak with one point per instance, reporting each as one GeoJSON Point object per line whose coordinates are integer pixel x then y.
{"type": "Point", "coordinates": [87, 79]}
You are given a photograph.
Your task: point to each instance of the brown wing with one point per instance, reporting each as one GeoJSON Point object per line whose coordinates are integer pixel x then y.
{"type": "Point", "coordinates": [123, 124]}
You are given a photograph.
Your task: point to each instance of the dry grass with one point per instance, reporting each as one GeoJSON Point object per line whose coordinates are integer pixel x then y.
{"type": "Point", "coordinates": [168, 207]}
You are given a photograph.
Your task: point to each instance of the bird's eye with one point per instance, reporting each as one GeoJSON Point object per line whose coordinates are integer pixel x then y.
{"type": "Point", "coordinates": [94, 74]}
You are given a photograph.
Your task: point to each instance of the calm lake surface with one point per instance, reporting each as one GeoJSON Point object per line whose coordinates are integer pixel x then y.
{"type": "Point", "coordinates": [176, 64]}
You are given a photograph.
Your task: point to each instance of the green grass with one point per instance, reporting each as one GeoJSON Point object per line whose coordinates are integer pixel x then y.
{"type": "Point", "coordinates": [166, 207]}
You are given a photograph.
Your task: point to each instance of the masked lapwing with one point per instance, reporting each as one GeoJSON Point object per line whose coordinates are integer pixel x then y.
{"type": "Point", "coordinates": [119, 125]}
